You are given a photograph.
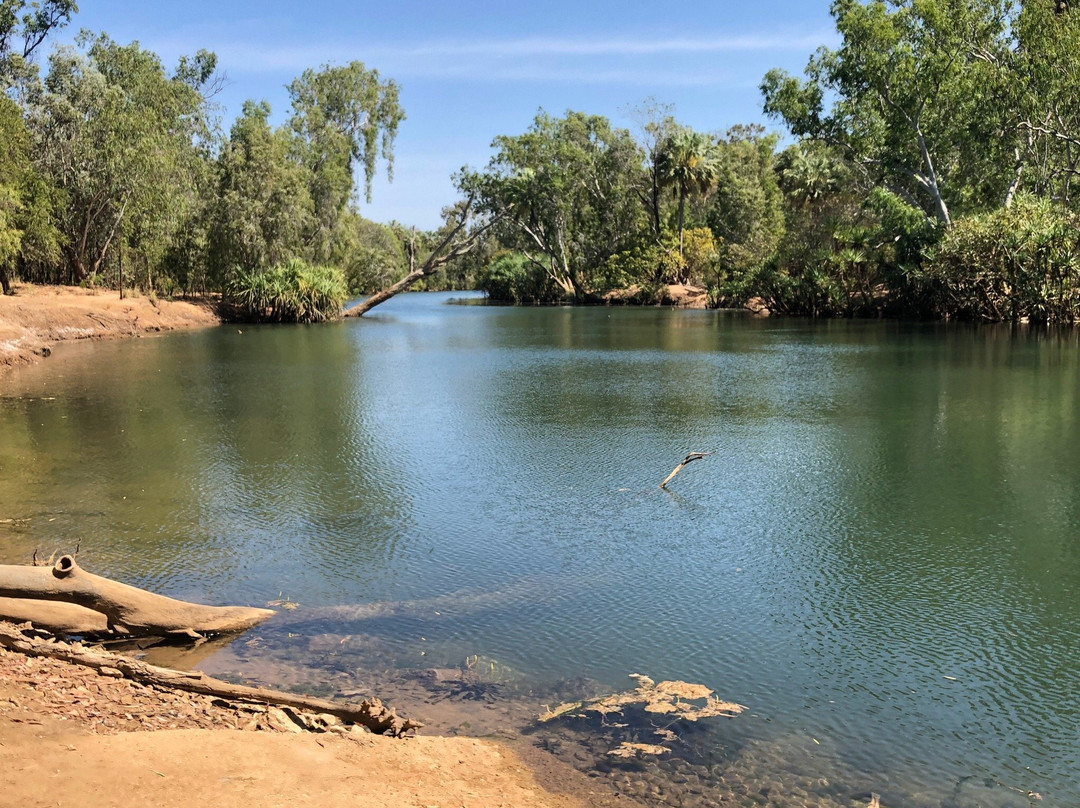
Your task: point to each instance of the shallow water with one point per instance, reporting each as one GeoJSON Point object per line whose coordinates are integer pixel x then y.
{"type": "Point", "coordinates": [880, 559]}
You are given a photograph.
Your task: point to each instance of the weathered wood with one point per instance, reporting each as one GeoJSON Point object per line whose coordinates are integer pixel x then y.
{"type": "Point", "coordinates": [371, 714]}
{"type": "Point", "coordinates": [128, 610]}
{"type": "Point", "coordinates": [690, 458]}
{"type": "Point", "coordinates": [54, 616]}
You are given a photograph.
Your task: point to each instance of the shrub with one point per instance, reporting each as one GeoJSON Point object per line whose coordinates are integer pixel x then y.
{"type": "Point", "coordinates": [292, 292]}
{"type": "Point", "coordinates": [1016, 263]}
{"type": "Point", "coordinates": [513, 278]}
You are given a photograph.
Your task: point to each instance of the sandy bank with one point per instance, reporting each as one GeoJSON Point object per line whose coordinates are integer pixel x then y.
{"type": "Point", "coordinates": [69, 736]}
{"type": "Point", "coordinates": [37, 317]}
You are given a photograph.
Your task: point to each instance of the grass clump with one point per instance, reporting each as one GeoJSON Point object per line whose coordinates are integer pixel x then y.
{"type": "Point", "coordinates": [290, 292]}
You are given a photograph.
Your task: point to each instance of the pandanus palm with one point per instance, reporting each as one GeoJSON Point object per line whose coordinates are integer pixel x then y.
{"type": "Point", "coordinates": [688, 163]}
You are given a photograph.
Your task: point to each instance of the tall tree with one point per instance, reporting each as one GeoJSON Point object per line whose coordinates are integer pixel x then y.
{"type": "Point", "coordinates": [687, 164]}
{"type": "Point", "coordinates": [914, 94]}
{"type": "Point", "coordinates": [112, 130]}
{"type": "Point", "coordinates": [565, 193]}
{"type": "Point", "coordinates": [746, 215]}
{"type": "Point", "coordinates": [264, 213]}
{"type": "Point", "coordinates": [655, 124]}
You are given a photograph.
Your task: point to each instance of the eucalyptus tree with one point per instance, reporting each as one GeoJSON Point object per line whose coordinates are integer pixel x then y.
{"type": "Point", "coordinates": [114, 131]}
{"type": "Point", "coordinates": [28, 237]}
{"type": "Point", "coordinates": [1044, 82]}
{"type": "Point", "coordinates": [655, 123]}
{"type": "Point", "coordinates": [264, 213]}
{"type": "Point", "coordinates": [23, 28]}
{"type": "Point", "coordinates": [916, 98]}
{"type": "Point", "coordinates": [564, 190]}
{"type": "Point", "coordinates": [344, 118]}
{"type": "Point", "coordinates": [688, 164]}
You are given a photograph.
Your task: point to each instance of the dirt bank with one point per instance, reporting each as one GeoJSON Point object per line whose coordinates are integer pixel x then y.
{"type": "Point", "coordinates": [69, 736]}
{"type": "Point", "coordinates": [37, 317]}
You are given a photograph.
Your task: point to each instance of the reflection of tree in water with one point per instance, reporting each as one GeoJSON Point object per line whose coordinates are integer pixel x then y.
{"type": "Point", "coordinates": [253, 453]}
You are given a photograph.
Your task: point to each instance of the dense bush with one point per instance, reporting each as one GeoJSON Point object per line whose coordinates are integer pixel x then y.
{"type": "Point", "coordinates": [1016, 263]}
{"type": "Point", "coordinates": [291, 292]}
{"type": "Point", "coordinates": [513, 278]}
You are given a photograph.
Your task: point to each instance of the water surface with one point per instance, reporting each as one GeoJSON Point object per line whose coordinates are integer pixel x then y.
{"type": "Point", "coordinates": [880, 559]}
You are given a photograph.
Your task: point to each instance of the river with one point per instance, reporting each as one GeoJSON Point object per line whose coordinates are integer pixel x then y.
{"type": "Point", "coordinates": [880, 560]}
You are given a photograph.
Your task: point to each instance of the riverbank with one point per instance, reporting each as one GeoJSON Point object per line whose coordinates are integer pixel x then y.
{"type": "Point", "coordinates": [71, 736]}
{"type": "Point", "coordinates": [35, 318]}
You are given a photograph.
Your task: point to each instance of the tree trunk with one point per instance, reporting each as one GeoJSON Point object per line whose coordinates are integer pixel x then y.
{"type": "Point", "coordinates": [454, 244]}
{"type": "Point", "coordinates": [5, 281]}
{"type": "Point", "coordinates": [371, 714]}
{"type": "Point", "coordinates": [55, 617]}
{"type": "Point", "coordinates": [127, 609]}
{"type": "Point", "coordinates": [682, 207]}
{"type": "Point", "coordinates": [385, 294]}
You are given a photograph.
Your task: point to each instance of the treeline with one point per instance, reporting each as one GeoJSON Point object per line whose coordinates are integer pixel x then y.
{"type": "Point", "coordinates": [115, 172]}
{"type": "Point", "coordinates": [928, 172]}
{"type": "Point", "coordinates": [932, 175]}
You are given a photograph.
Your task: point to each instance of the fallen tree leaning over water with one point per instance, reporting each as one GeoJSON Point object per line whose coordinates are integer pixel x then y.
{"type": "Point", "coordinates": [66, 599]}
{"type": "Point", "coordinates": [457, 241]}
{"type": "Point", "coordinates": [371, 714]}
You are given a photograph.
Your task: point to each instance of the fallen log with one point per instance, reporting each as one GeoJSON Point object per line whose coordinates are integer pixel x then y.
{"type": "Point", "coordinates": [371, 714]}
{"type": "Point", "coordinates": [54, 616]}
{"type": "Point", "coordinates": [128, 610]}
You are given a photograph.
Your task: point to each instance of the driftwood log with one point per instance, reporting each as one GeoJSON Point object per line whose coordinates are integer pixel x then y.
{"type": "Point", "coordinates": [67, 599]}
{"type": "Point", "coordinates": [371, 714]}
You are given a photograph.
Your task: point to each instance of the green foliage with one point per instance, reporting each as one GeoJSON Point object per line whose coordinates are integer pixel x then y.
{"type": "Point", "coordinates": [688, 164]}
{"type": "Point", "coordinates": [746, 214]}
{"type": "Point", "coordinates": [23, 28]}
{"type": "Point", "coordinates": [1016, 263]}
{"type": "Point", "coordinates": [27, 233]}
{"type": "Point", "coordinates": [566, 192]}
{"type": "Point", "coordinates": [290, 292]}
{"type": "Point", "coordinates": [916, 85]}
{"type": "Point", "coordinates": [513, 278]}
{"type": "Point", "coordinates": [374, 256]}
{"type": "Point", "coordinates": [345, 114]}
{"type": "Point", "coordinates": [647, 264]}
{"type": "Point", "coordinates": [263, 211]}
{"type": "Point", "coordinates": [116, 134]}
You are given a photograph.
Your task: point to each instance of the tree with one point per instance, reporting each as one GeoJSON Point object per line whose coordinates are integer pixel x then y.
{"type": "Point", "coordinates": [747, 212]}
{"type": "Point", "coordinates": [342, 116]}
{"type": "Point", "coordinates": [26, 200]}
{"type": "Point", "coordinates": [915, 89]}
{"type": "Point", "coordinates": [1044, 80]}
{"type": "Point", "coordinates": [656, 124]}
{"type": "Point", "coordinates": [32, 27]}
{"type": "Point", "coordinates": [564, 191]}
{"type": "Point", "coordinates": [264, 211]}
{"type": "Point", "coordinates": [687, 164]}
{"type": "Point", "coordinates": [112, 131]}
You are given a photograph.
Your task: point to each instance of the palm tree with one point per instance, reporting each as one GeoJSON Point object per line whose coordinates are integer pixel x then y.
{"type": "Point", "coordinates": [810, 174]}
{"type": "Point", "coordinates": [688, 162]}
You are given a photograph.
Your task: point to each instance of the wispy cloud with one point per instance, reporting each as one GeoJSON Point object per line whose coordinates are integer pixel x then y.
{"type": "Point", "coordinates": [623, 60]}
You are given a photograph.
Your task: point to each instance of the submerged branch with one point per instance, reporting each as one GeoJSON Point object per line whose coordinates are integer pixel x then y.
{"type": "Point", "coordinates": [690, 458]}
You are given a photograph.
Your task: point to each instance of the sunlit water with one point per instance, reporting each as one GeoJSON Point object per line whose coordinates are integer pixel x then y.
{"type": "Point", "coordinates": [880, 559]}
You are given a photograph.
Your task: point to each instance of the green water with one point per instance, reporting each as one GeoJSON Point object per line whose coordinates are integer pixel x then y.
{"type": "Point", "coordinates": [881, 558]}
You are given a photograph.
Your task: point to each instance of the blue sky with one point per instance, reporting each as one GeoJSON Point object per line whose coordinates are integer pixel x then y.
{"type": "Point", "coordinates": [471, 71]}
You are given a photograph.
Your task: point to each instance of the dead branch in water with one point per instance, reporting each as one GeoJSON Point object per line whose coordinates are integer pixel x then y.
{"type": "Point", "coordinates": [371, 714]}
{"type": "Point", "coordinates": [686, 461]}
